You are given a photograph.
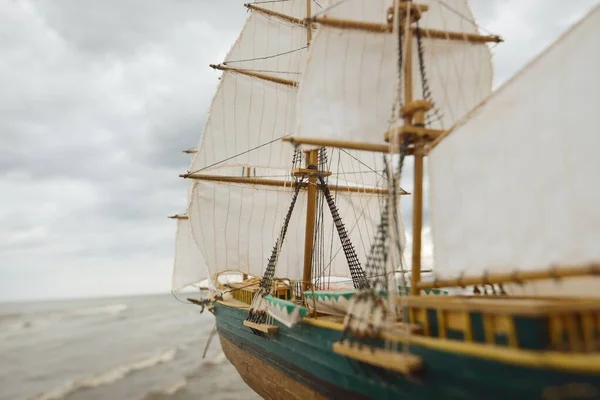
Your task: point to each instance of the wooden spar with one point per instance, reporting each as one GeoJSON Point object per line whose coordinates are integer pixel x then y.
{"type": "Point", "coordinates": [415, 10]}
{"type": "Point", "coordinates": [255, 74]}
{"type": "Point", "coordinates": [281, 183]}
{"type": "Point", "coordinates": [239, 179]}
{"type": "Point", "coordinates": [265, 328]}
{"type": "Point", "coordinates": [344, 144]}
{"type": "Point", "coordinates": [276, 14]}
{"type": "Point", "coordinates": [404, 363]}
{"type": "Point", "coordinates": [461, 36]}
{"type": "Point", "coordinates": [352, 24]}
{"type": "Point", "coordinates": [516, 276]}
{"type": "Point", "coordinates": [425, 32]}
{"type": "Point", "coordinates": [177, 216]}
{"type": "Point", "coordinates": [308, 27]}
{"type": "Point", "coordinates": [312, 160]}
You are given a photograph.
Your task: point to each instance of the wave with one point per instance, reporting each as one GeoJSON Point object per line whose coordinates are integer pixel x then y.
{"type": "Point", "coordinates": [216, 360]}
{"type": "Point", "coordinates": [10, 315]}
{"type": "Point", "coordinates": [9, 329]}
{"type": "Point", "coordinates": [12, 324]}
{"type": "Point", "coordinates": [168, 391]}
{"type": "Point", "coordinates": [107, 377]}
{"type": "Point", "coordinates": [112, 309]}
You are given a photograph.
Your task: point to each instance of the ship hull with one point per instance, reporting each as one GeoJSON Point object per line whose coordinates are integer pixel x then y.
{"type": "Point", "coordinates": [299, 363]}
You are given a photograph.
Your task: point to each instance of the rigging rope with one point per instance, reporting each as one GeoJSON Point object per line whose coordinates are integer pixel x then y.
{"type": "Point", "coordinates": [357, 159]}
{"type": "Point", "coordinates": [257, 314]}
{"type": "Point", "coordinates": [265, 57]}
{"type": "Point", "coordinates": [358, 275]}
{"type": "Point", "coordinates": [435, 114]}
{"type": "Point", "coordinates": [378, 253]}
{"type": "Point", "coordinates": [239, 154]}
{"type": "Point", "coordinates": [472, 21]}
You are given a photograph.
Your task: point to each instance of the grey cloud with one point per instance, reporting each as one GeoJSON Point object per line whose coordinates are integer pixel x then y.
{"type": "Point", "coordinates": [96, 102]}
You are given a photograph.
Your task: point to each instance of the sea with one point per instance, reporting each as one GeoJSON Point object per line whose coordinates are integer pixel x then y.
{"type": "Point", "coordinates": [140, 347]}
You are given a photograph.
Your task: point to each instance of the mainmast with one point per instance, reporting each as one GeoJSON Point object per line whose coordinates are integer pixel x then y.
{"type": "Point", "coordinates": [417, 153]}
{"type": "Point", "coordinates": [411, 136]}
{"type": "Point", "coordinates": [312, 160]}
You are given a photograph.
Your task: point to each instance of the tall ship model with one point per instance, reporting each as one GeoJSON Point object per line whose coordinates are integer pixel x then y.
{"type": "Point", "coordinates": [321, 109]}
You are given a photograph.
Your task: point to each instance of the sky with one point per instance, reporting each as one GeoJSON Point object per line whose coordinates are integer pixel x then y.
{"type": "Point", "coordinates": [97, 100]}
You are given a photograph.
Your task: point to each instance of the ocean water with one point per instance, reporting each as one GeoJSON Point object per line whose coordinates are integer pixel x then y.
{"type": "Point", "coordinates": [142, 347]}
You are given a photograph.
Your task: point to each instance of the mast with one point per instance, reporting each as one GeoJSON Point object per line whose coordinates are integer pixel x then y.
{"type": "Point", "coordinates": [369, 36]}
{"type": "Point", "coordinates": [312, 158]}
{"type": "Point", "coordinates": [308, 25]}
{"type": "Point", "coordinates": [418, 155]}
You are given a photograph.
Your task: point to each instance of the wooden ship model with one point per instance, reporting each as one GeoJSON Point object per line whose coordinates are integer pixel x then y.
{"type": "Point", "coordinates": [296, 186]}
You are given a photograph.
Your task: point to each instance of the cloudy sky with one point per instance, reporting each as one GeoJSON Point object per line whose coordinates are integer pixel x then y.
{"type": "Point", "coordinates": [96, 101]}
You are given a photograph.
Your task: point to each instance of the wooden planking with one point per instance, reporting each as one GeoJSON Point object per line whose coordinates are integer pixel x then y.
{"type": "Point", "coordinates": [263, 378]}
{"type": "Point", "coordinates": [395, 361]}
{"type": "Point", "coordinates": [572, 362]}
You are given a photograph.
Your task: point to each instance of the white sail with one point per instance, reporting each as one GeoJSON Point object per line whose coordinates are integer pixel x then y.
{"type": "Point", "coordinates": [190, 266]}
{"type": "Point", "coordinates": [514, 186]}
{"type": "Point", "coordinates": [247, 118]}
{"type": "Point", "coordinates": [248, 112]}
{"type": "Point", "coordinates": [237, 226]}
{"type": "Point", "coordinates": [349, 86]}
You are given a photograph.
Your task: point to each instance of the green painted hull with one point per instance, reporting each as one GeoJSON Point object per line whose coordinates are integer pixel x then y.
{"type": "Point", "coordinates": [304, 353]}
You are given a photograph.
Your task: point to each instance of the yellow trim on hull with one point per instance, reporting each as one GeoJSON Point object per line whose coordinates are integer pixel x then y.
{"type": "Point", "coordinates": [569, 362]}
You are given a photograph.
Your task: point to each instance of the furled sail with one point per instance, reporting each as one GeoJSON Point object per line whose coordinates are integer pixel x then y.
{"type": "Point", "coordinates": [238, 231]}
{"type": "Point", "coordinates": [514, 185]}
{"type": "Point", "coordinates": [348, 88]}
{"type": "Point", "coordinates": [190, 266]}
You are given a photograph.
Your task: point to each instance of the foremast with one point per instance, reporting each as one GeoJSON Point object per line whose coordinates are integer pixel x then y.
{"type": "Point", "coordinates": [215, 167]}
